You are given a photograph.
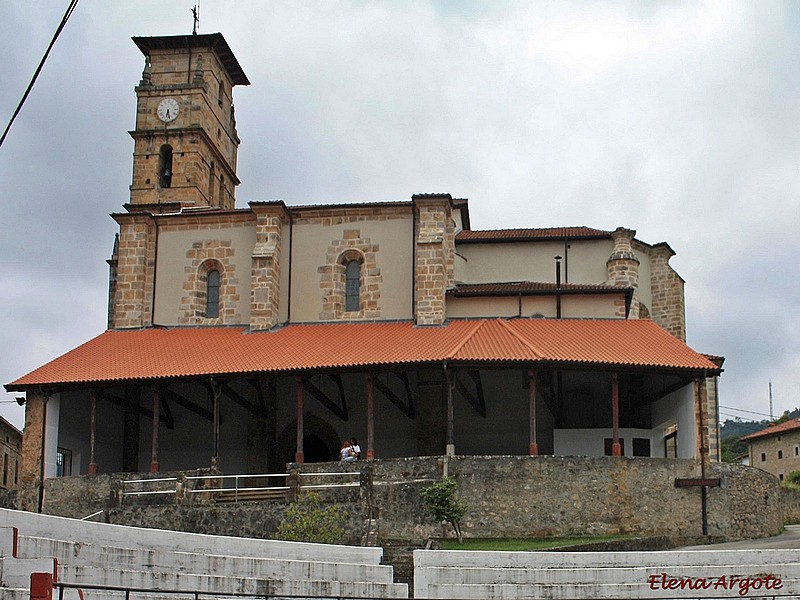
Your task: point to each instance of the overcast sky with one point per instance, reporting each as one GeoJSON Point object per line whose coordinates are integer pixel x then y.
{"type": "Point", "coordinates": [676, 119]}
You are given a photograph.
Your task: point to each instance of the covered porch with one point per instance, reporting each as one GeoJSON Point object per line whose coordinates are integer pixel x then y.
{"type": "Point", "coordinates": [238, 402]}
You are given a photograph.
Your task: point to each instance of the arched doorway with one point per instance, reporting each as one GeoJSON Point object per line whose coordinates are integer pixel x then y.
{"type": "Point", "coordinates": [320, 442]}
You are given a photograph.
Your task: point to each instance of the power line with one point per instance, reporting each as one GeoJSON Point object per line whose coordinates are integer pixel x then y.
{"type": "Point", "coordinates": [752, 412]}
{"type": "Point", "coordinates": [64, 19]}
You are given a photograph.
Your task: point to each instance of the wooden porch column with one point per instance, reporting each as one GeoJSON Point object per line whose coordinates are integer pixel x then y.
{"type": "Point", "coordinates": [701, 406]}
{"type": "Point", "coordinates": [616, 448]}
{"type": "Point", "coordinates": [92, 432]}
{"type": "Point", "coordinates": [215, 394]}
{"type": "Point", "coordinates": [154, 466]}
{"type": "Point", "coordinates": [299, 455]}
{"type": "Point", "coordinates": [534, 446]}
{"type": "Point", "coordinates": [370, 416]}
{"type": "Point", "coordinates": [448, 382]}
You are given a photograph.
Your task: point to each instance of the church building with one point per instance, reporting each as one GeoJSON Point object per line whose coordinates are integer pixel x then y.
{"type": "Point", "coordinates": [246, 338]}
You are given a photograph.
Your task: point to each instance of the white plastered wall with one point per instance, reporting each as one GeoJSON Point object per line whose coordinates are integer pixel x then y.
{"type": "Point", "coordinates": [674, 409]}
{"type": "Point", "coordinates": [171, 271]}
{"type": "Point", "coordinates": [534, 261]}
{"type": "Point", "coordinates": [394, 238]}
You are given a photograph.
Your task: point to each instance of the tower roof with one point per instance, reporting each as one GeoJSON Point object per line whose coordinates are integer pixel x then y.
{"type": "Point", "coordinates": [214, 41]}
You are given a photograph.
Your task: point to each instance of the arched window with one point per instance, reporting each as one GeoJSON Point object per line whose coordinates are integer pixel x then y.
{"type": "Point", "coordinates": [165, 166]}
{"type": "Point", "coordinates": [352, 290]}
{"type": "Point", "coordinates": [212, 294]}
{"type": "Point", "coordinates": [222, 190]}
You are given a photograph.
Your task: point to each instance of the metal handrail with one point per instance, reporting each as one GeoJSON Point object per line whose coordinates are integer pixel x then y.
{"type": "Point", "coordinates": [236, 487]}
{"type": "Point", "coordinates": [193, 477]}
{"type": "Point", "coordinates": [342, 474]}
{"type": "Point", "coordinates": [196, 594]}
{"type": "Point", "coordinates": [94, 514]}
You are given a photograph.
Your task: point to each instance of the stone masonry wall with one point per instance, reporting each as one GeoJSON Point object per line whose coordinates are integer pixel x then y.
{"type": "Point", "coordinates": [435, 257]}
{"type": "Point", "coordinates": [30, 471]}
{"type": "Point", "coordinates": [265, 275]}
{"type": "Point", "coordinates": [623, 270]}
{"type": "Point", "coordinates": [134, 268]}
{"type": "Point", "coordinates": [668, 304]}
{"type": "Point", "coordinates": [508, 496]}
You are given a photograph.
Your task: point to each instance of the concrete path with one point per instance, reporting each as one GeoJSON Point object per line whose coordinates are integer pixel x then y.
{"type": "Point", "coordinates": [789, 539]}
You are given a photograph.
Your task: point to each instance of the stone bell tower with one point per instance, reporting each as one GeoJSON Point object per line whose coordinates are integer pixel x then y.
{"type": "Point", "coordinates": [185, 140]}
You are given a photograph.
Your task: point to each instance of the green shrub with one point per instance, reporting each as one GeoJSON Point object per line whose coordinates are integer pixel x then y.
{"type": "Point", "coordinates": [442, 502]}
{"type": "Point", "coordinates": [793, 480]}
{"type": "Point", "coordinates": [307, 520]}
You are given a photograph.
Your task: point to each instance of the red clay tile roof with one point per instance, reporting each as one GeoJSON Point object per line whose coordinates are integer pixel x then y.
{"type": "Point", "coordinates": [531, 287]}
{"type": "Point", "coordinates": [786, 426]}
{"type": "Point", "coordinates": [158, 353]}
{"type": "Point", "coordinates": [519, 235]}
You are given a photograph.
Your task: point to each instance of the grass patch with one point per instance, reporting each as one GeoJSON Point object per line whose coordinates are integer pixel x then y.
{"type": "Point", "coordinates": [522, 544]}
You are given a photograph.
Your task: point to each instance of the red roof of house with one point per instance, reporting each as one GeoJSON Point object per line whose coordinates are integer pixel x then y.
{"type": "Point", "coordinates": [160, 353]}
{"type": "Point", "coordinates": [540, 233]}
{"type": "Point", "coordinates": [533, 287]}
{"type": "Point", "coordinates": [786, 426]}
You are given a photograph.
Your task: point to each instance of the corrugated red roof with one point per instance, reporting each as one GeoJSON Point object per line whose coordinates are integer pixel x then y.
{"type": "Point", "coordinates": [541, 233]}
{"type": "Point", "coordinates": [786, 426]}
{"type": "Point", "coordinates": [531, 287]}
{"type": "Point", "coordinates": [159, 353]}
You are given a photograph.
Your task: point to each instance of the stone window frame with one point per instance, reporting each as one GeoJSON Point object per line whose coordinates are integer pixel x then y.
{"type": "Point", "coordinates": [200, 295]}
{"type": "Point", "coordinates": [213, 285]}
{"type": "Point", "coordinates": [333, 280]}
{"type": "Point", "coordinates": [347, 258]}
{"type": "Point", "coordinates": [206, 256]}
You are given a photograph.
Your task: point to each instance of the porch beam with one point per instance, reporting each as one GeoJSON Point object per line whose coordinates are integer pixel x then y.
{"type": "Point", "coordinates": [407, 407]}
{"type": "Point", "coordinates": [337, 408]}
{"type": "Point", "coordinates": [258, 388]}
{"type": "Point", "coordinates": [169, 419]}
{"type": "Point", "coordinates": [188, 404]}
{"type": "Point", "coordinates": [126, 404]}
{"type": "Point", "coordinates": [475, 400]}
{"type": "Point", "coordinates": [240, 400]}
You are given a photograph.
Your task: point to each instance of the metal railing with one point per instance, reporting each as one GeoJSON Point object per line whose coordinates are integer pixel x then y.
{"type": "Point", "coordinates": [328, 486]}
{"type": "Point", "coordinates": [196, 594]}
{"type": "Point", "coordinates": [237, 488]}
{"type": "Point", "coordinates": [145, 483]}
{"type": "Point", "coordinates": [237, 485]}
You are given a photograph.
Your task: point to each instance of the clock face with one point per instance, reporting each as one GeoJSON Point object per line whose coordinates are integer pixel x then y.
{"type": "Point", "coordinates": [167, 110]}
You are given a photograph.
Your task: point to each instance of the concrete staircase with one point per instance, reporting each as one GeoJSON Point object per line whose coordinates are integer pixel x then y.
{"type": "Point", "coordinates": [606, 575]}
{"type": "Point", "coordinates": [89, 554]}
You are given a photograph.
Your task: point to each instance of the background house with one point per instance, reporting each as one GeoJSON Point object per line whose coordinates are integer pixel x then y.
{"type": "Point", "coordinates": [776, 449]}
{"type": "Point", "coordinates": [11, 443]}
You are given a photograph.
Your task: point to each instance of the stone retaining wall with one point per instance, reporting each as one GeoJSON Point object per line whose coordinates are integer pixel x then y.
{"type": "Point", "coordinates": [508, 496]}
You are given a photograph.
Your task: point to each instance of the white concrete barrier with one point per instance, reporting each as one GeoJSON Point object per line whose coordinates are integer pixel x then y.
{"type": "Point", "coordinates": [91, 554]}
{"type": "Point", "coordinates": [611, 575]}
{"type": "Point", "coordinates": [96, 555]}
{"type": "Point", "coordinates": [33, 524]}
